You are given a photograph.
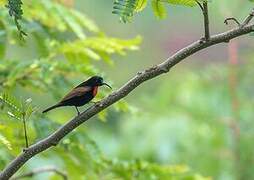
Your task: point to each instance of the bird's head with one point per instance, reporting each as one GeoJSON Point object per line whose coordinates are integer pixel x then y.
{"type": "Point", "coordinates": [97, 81]}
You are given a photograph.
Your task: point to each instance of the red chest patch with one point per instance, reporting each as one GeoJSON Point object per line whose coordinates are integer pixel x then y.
{"type": "Point", "coordinates": [95, 90]}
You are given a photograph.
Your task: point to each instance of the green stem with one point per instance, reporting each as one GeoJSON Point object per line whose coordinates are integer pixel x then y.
{"type": "Point", "coordinates": [24, 126]}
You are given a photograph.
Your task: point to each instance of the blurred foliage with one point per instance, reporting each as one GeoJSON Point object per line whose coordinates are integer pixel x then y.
{"type": "Point", "coordinates": [62, 48]}
{"type": "Point", "coordinates": [48, 24]}
{"type": "Point", "coordinates": [192, 120]}
{"type": "Point", "coordinates": [94, 165]}
{"type": "Point", "coordinates": [17, 109]}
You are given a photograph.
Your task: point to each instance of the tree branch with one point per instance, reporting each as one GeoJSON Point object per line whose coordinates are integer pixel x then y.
{"type": "Point", "coordinates": [42, 170]}
{"type": "Point", "coordinates": [140, 78]}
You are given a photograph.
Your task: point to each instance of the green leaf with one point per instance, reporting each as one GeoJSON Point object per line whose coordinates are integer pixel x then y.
{"type": "Point", "coordinates": [127, 8]}
{"type": "Point", "coordinates": [159, 9]}
{"type": "Point", "coordinates": [5, 142]}
{"type": "Point", "coordinates": [97, 48]}
{"type": "Point", "coordinates": [15, 10]}
{"type": "Point", "coordinates": [83, 20]}
{"type": "Point", "coordinates": [58, 17]}
{"type": "Point", "coordinates": [17, 108]}
{"type": "Point", "coordinates": [2, 40]}
{"type": "Point", "coordinates": [141, 4]}
{"type": "Point", "coordinates": [70, 21]}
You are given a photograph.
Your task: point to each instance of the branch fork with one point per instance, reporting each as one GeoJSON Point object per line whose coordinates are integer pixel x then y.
{"type": "Point", "coordinates": [204, 9]}
{"type": "Point", "coordinates": [246, 21]}
{"type": "Point", "coordinates": [226, 21]}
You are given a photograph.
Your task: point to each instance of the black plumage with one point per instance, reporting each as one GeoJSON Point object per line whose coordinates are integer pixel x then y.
{"type": "Point", "coordinates": [81, 94]}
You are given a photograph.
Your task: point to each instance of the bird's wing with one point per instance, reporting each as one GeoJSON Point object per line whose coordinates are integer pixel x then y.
{"type": "Point", "coordinates": [78, 91]}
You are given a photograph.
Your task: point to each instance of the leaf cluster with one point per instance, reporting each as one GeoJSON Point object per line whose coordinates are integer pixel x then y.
{"type": "Point", "coordinates": [62, 49]}
{"type": "Point", "coordinates": [127, 8]}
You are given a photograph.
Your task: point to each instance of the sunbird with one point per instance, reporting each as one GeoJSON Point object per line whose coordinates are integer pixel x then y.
{"type": "Point", "coordinates": [81, 94]}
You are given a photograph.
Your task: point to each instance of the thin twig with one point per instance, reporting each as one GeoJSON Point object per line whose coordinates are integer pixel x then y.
{"type": "Point", "coordinates": [248, 18]}
{"type": "Point", "coordinates": [132, 84]}
{"type": "Point", "coordinates": [206, 21]}
{"type": "Point", "coordinates": [204, 9]}
{"type": "Point", "coordinates": [232, 19]}
{"type": "Point", "coordinates": [25, 130]}
{"type": "Point", "coordinates": [42, 170]}
{"type": "Point", "coordinates": [245, 22]}
{"type": "Point", "coordinates": [200, 5]}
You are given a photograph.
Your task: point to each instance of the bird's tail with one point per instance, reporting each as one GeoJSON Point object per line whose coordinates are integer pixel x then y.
{"type": "Point", "coordinates": [52, 107]}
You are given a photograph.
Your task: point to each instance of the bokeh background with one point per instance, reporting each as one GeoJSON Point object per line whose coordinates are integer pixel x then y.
{"type": "Point", "coordinates": [198, 115]}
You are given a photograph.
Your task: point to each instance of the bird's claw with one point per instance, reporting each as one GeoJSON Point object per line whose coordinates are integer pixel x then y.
{"type": "Point", "coordinates": [202, 40]}
{"type": "Point", "coordinates": [25, 150]}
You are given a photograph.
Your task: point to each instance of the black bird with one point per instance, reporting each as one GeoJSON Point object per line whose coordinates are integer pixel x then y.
{"type": "Point", "coordinates": [81, 95]}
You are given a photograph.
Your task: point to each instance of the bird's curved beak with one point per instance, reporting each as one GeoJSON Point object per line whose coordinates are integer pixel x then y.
{"type": "Point", "coordinates": [106, 85]}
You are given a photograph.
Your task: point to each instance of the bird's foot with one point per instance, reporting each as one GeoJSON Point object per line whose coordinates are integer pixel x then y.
{"type": "Point", "coordinates": [202, 40]}
{"type": "Point", "coordinates": [25, 150]}
{"type": "Point", "coordinates": [77, 110]}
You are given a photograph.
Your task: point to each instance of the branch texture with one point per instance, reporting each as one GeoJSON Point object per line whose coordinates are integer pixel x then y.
{"type": "Point", "coordinates": [140, 78]}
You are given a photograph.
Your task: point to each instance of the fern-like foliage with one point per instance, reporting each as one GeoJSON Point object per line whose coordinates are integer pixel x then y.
{"type": "Point", "coordinates": [66, 41]}
{"type": "Point", "coordinates": [58, 17]}
{"type": "Point", "coordinates": [15, 10]}
{"type": "Point", "coordinates": [17, 109]}
{"type": "Point", "coordinates": [96, 48]}
{"type": "Point", "coordinates": [127, 8]}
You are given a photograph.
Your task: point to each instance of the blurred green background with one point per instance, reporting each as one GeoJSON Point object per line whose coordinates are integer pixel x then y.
{"type": "Point", "coordinates": [197, 119]}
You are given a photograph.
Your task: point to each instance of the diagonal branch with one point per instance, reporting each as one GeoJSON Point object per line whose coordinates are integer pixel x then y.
{"type": "Point", "coordinates": [140, 78]}
{"type": "Point", "coordinates": [42, 170]}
